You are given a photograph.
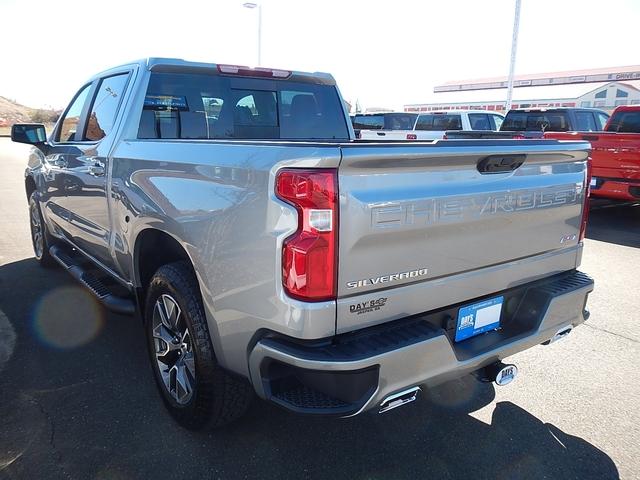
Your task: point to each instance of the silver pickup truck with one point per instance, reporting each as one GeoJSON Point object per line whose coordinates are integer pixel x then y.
{"type": "Point", "coordinates": [269, 252]}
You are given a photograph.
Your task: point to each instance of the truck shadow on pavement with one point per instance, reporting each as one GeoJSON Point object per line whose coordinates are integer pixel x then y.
{"type": "Point", "coordinates": [614, 222]}
{"type": "Point", "coordinates": [83, 405]}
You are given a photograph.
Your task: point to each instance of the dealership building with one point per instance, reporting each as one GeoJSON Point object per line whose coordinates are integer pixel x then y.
{"type": "Point", "coordinates": [604, 88]}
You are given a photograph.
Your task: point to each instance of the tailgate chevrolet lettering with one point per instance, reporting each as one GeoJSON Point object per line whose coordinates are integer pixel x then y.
{"type": "Point", "coordinates": [431, 211]}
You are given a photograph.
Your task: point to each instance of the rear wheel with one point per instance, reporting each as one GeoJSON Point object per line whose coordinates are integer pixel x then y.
{"type": "Point", "coordinates": [40, 238]}
{"type": "Point", "coordinates": [198, 393]}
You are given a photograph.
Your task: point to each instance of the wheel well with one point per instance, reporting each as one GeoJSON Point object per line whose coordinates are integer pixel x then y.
{"type": "Point", "coordinates": [30, 186]}
{"type": "Point", "coordinates": [152, 250]}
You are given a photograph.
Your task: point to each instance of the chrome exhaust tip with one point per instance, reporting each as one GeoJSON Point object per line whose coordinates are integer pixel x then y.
{"type": "Point", "coordinates": [560, 334]}
{"type": "Point", "coordinates": [399, 399]}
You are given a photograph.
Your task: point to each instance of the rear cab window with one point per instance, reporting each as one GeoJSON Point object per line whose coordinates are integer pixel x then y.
{"type": "Point", "coordinates": [206, 106]}
{"type": "Point", "coordinates": [368, 122]}
{"type": "Point", "coordinates": [625, 122]}
{"type": "Point", "coordinates": [540, 121]}
{"type": "Point", "coordinates": [439, 122]}
{"type": "Point", "coordinates": [385, 121]}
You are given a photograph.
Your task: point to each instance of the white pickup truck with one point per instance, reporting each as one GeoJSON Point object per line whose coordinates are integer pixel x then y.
{"type": "Point", "coordinates": [426, 126]}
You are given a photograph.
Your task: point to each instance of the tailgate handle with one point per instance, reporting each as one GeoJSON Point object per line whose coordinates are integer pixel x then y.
{"type": "Point", "coordinates": [500, 163]}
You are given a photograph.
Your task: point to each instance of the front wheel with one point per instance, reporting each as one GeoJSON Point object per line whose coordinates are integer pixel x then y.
{"type": "Point", "coordinates": [40, 238]}
{"type": "Point", "coordinates": [198, 393]}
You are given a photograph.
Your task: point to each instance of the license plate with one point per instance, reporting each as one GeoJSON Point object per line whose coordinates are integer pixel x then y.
{"type": "Point", "coordinates": [593, 181]}
{"type": "Point", "coordinates": [478, 318]}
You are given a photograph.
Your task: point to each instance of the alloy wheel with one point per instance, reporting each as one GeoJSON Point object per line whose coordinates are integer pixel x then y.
{"type": "Point", "coordinates": [37, 237]}
{"type": "Point", "coordinates": [173, 349]}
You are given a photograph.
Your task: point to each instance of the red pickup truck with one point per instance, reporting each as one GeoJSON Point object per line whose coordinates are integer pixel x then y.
{"type": "Point", "coordinates": [615, 154]}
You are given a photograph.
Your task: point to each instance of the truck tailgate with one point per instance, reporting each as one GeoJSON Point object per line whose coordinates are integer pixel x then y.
{"type": "Point", "coordinates": [421, 226]}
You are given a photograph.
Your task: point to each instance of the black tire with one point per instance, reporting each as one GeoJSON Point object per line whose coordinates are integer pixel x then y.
{"type": "Point", "coordinates": [41, 240]}
{"type": "Point", "coordinates": [217, 397]}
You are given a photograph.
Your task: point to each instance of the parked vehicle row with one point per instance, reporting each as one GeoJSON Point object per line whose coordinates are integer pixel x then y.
{"type": "Point", "coordinates": [268, 251]}
{"type": "Point", "coordinates": [615, 142]}
{"type": "Point", "coordinates": [615, 154]}
{"type": "Point", "coordinates": [424, 126]}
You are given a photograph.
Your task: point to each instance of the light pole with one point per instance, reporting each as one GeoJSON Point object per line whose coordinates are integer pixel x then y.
{"type": "Point", "coordinates": [514, 48]}
{"type": "Point", "coordinates": [252, 5]}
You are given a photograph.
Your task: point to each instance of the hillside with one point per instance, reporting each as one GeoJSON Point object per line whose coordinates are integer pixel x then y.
{"type": "Point", "coordinates": [12, 112]}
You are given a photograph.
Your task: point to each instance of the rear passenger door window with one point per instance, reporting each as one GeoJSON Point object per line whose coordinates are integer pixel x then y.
{"type": "Point", "coordinates": [479, 121]}
{"type": "Point", "coordinates": [585, 122]}
{"type": "Point", "coordinates": [69, 123]}
{"type": "Point", "coordinates": [105, 105]}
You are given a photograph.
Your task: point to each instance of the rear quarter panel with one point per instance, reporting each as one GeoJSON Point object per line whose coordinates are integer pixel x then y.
{"type": "Point", "coordinates": [217, 199]}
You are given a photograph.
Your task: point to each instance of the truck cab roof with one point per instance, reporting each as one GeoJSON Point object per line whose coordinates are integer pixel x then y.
{"type": "Point", "coordinates": [173, 65]}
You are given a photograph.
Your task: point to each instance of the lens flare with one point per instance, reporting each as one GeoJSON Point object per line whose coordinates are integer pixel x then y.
{"type": "Point", "coordinates": [67, 317]}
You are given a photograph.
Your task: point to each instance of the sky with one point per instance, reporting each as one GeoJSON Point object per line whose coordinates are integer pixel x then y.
{"type": "Point", "coordinates": [382, 53]}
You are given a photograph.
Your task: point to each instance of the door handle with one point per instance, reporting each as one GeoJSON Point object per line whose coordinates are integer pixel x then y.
{"type": "Point", "coordinates": [97, 169]}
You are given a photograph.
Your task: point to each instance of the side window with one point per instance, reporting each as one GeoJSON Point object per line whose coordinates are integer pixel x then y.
{"type": "Point", "coordinates": [479, 121]}
{"type": "Point", "coordinates": [105, 107]}
{"type": "Point", "coordinates": [585, 122]}
{"type": "Point", "coordinates": [602, 120]}
{"type": "Point", "coordinates": [69, 124]}
{"type": "Point", "coordinates": [497, 121]}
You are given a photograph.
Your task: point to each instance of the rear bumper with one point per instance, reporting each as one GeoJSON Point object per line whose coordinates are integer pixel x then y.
{"type": "Point", "coordinates": [616, 189]}
{"type": "Point", "coordinates": [354, 372]}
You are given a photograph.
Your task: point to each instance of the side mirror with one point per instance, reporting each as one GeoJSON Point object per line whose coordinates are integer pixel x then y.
{"type": "Point", "coordinates": [31, 133]}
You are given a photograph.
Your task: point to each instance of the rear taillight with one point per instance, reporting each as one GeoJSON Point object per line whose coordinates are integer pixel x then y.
{"type": "Point", "coordinates": [412, 136]}
{"type": "Point", "coordinates": [309, 256]}
{"type": "Point", "coordinates": [585, 207]}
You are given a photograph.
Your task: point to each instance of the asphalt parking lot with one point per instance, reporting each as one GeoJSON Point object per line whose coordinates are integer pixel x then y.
{"type": "Point", "coordinates": [77, 398]}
